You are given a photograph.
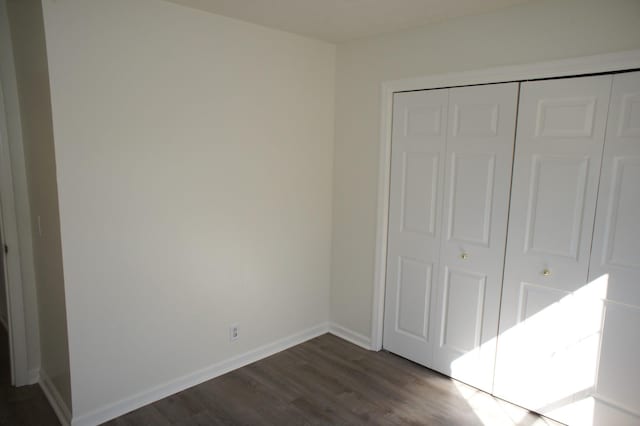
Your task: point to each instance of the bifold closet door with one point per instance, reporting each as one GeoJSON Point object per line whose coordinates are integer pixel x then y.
{"type": "Point", "coordinates": [480, 140]}
{"type": "Point", "coordinates": [447, 225]}
{"type": "Point", "coordinates": [417, 156]}
{"type": "Point", "coordinates": [549, 323]}
{"type": "Point", "coordinates": [614, 270]}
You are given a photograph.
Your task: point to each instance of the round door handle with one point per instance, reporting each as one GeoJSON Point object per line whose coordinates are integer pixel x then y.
{"type": "Point", "coordinates": [464, 256]}
{"type": "Point", "coordinates": [546, 272]}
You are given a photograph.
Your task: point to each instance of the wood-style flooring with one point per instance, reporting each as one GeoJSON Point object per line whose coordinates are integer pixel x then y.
{"type": "Point", "coordinates": [328, 381]}
{"type": "Point", "coordinates": [325, 381]}
{"type": "Point", "coordinates": [25, 405]}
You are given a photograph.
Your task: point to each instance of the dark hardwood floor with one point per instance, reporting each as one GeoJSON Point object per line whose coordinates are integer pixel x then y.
{"type": "Point", "coordinates": [25, 405]}
{"type": "Point", "coordinates": [327, 381]}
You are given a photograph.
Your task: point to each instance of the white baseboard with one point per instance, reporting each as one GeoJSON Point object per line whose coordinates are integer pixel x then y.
{"type": "Point", "coordinates": [56, 401]}
{"type": "Point", "coordinates": [350, 335]}
{"type": "Point", "coordinates": [141, 399]}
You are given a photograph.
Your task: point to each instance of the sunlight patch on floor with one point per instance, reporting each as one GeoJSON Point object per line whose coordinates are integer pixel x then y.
{"type": "Point", "coordinates": [492, 411]}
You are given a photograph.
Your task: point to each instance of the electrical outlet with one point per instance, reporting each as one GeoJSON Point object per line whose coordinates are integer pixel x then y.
{"type": "Point", "coordinates": [234, 332]}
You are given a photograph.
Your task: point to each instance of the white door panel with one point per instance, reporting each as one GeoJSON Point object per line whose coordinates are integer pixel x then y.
{"type": "Point", "coordinates": [414, 291]}
{"type": "Point", "coordinates": [621, 230]}
{"type": "Point", "coordinates": [478, 166]}
{"type": "Point", "coordinates": [463, 308]}
{"type": "Point", "coordinates": [618, 380]}
{"type": "Point", "coordinates": [476, 172]}
{"type": "Point", "coordinates": [419, 191]}
{"type": "Point", "coordinates": [615, 257]}
{"type": "Point", "coordinates": [616, 245]}
{"type": "Point", "coordinates": [555, 205]}
{"type": "Point", "coordinates": [417, 155]}
{"type": "Point", "coordinates": [550, 317]}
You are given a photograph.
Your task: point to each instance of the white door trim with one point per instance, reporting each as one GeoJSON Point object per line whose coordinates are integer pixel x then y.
{"type": "Point", "coordinates": [13, 273]}
{"type": "Point", "coordinates": [562, 68]}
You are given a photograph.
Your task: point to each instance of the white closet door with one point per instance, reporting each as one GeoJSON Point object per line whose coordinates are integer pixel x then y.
{"type": "Point", "coordinates": [547, 349]}
{"type": "Point", "coordinates": [417, 156]}
{"type": "Point", "coordinates": [480, 140]}
{"type": "Point", "coordinates": [614, 272]}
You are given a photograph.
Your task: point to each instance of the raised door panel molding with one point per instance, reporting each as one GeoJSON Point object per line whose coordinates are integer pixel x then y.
{"type": "Point", "coordinates": [472, 186]}
{"type": "Point", "coordinates": [550, 313]}
{"type": "Point", "coordinates": [629, 126]}
{"type": "Point", "coordinates": [615, 258]}
{"type": "Point", "coordinates": [479, 158]}
{"type": "Point", "coordinates": [622, 231]}
{"type": "Point", "coordinates": [475, 120]}
{"type": "Point", "coordinates": [616, 242]}
{"type": "Point", "coordinates": [419, 192]}
{"type": "Point", "coordinates": [463, 303]}
{"type": "Point", "coordinates": [422, 121]}
{"type": "Point", "coordinates": [415, 211]}
{"type": "Point", "coordinates": [565, 117]}
{"type": "Point", "coordinates": [535, 298]}
{"type": "Point", "coordinates": [618, 375]}
{"type": "Point", "coordinates": [556, 205]}
{"type": "Point", "coordinates": [414, 290]}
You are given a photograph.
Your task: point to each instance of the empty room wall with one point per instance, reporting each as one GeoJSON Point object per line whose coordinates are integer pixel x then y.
{"type": "Point", "coordinates": [27, 34]}
{"type": "Point", "coordinates": [532, 32]}
{"type": "Point", "coordinates": [194, 157]}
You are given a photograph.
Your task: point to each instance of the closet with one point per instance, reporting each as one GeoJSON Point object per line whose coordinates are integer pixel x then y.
{"type": "Point", "coordinates": [513, 256]}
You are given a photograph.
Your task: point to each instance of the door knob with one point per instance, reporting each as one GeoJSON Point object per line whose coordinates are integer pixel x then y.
{"type": "Point", "coordinates": [546, 272]}
{"type": "Point", "coordinates": [464, 256]}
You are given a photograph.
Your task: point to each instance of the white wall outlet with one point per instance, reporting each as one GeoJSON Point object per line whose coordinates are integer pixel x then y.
{"type": "Point", "coordinates": [234, 332]}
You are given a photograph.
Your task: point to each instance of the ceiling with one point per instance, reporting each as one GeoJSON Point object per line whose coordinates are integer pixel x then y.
{"type": "Point", "coordinates": [342, 20]}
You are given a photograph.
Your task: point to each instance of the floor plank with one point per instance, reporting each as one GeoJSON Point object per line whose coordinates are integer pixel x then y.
{"type": "Point", "coordinates": [23, 406]}
{"type": "Point", "coordinates": [327, 381]}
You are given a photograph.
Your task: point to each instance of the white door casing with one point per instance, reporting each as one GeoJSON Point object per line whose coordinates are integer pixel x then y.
{"type": "Point", "coordinates": [548, 319]}
{"type": "Point", "coordinates": [480, 141]}
{"type": "Point", "coordinates": [418, 147]}
{"type": "Point", "coordinates": [615, 258]}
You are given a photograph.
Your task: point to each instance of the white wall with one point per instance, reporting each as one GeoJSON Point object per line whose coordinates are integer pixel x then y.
{"type": "Point", "coordinates": [27, 34]}
{"type": "Point", "coordinates": [20, 194]}
{"type": "Point", "coordinates": [535, 31]}
{"type": "Point", "coordinates": [194, 158]}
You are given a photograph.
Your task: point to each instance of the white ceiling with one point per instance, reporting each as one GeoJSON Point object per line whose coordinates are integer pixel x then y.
{"type": "Point", "coordinates": [343, 20]}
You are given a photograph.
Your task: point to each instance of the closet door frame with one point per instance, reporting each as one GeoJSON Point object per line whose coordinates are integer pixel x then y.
{"type": "Point", "coordinates": [607, 63]}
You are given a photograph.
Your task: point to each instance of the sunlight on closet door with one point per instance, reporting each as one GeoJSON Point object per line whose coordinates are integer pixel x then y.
{"type": "Point", "coordinates": [566, 336]}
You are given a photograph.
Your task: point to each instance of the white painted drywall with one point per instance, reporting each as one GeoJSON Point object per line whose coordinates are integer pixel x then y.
{"type": "Point", "coordinates": [27, 34]}
{"type": "Point", "coordinates": [532, 32]}
{"type": "Point", "coordinates": [21, 194]}
{"type": "Point", "coordinates": [338, 21]}
{"type": "Point", "coordinates": [194, 157]}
